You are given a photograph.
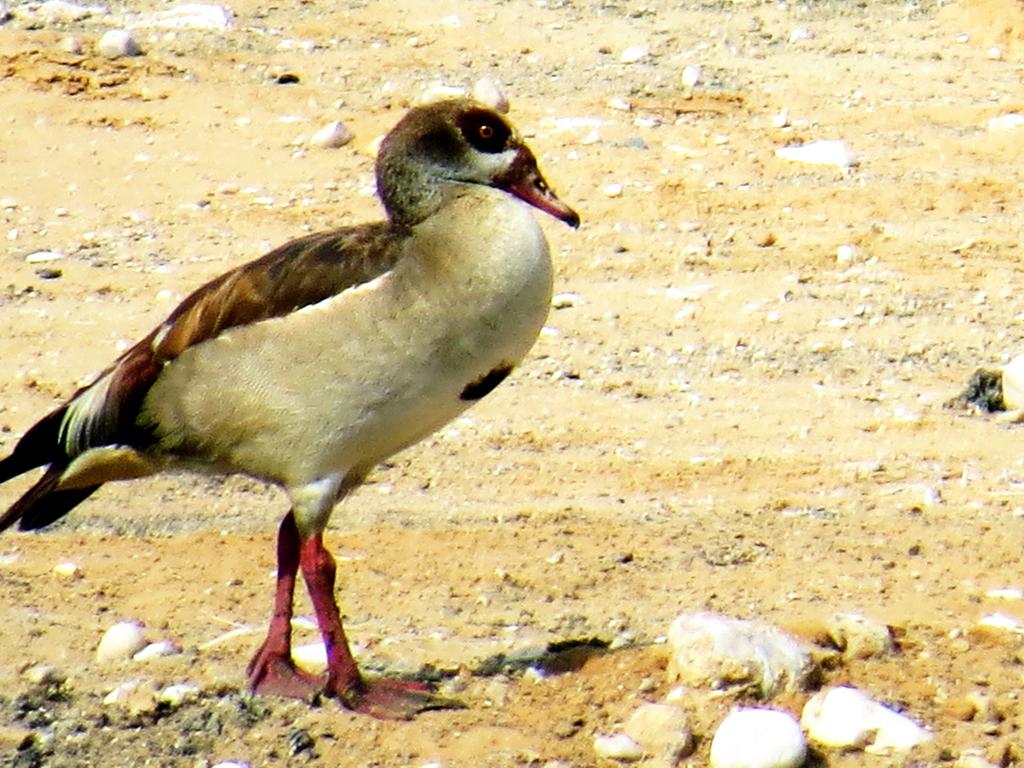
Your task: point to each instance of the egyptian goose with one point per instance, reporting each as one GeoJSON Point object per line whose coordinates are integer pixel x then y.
{"type": "Point", "coordinates": [312, 364]}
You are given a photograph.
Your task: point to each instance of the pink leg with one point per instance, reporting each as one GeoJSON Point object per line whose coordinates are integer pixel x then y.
{"type": "Point", "coordinates": [272, 671]}
{"type": "Point", "coordinates": [386, 699]}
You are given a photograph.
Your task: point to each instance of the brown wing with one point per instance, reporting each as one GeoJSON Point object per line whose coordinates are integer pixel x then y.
{"type": "Point", "coordinates": [299, 273]}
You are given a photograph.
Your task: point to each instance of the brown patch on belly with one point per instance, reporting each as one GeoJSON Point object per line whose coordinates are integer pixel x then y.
{"type": "Point", "coordinates": [478, 389]}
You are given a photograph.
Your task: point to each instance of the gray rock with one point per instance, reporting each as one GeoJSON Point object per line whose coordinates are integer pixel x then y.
{"type": "Point", "coordinates": [709, 650]}
{"type": "Point", "coordinates": [117, 43]}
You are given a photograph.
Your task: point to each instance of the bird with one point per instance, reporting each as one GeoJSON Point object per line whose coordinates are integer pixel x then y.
{"type": "Point", "coordinates": [311, 365]}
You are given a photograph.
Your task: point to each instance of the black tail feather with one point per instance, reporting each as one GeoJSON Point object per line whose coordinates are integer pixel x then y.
{"type": "Point", "coordinates": [37, 448]}
{"type": "Point", "coordinates": [43, 503]}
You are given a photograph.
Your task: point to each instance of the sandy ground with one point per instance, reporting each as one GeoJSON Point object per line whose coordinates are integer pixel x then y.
{"type": "Point", "coordinates": [728, 417]}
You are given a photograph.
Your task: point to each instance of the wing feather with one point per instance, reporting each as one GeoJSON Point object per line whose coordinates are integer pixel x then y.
{"type": "Point", "coordinates": [299, 273]}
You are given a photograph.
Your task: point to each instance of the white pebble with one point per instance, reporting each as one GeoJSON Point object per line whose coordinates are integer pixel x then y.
{"type": "Point", "coordinates": [312, 657]}
{"type": "Point", "coordinates": [373, 147]}
{"type": "Point", "coordinates": [691, 76]}
{"type": "Point", "coordinates": [40, 257]}
{"type": "Point", "coordinates": [995, 53]}
{"type": "Point", "coordinates": [489, 93]}
{"type": "Point", "coordinates": [1002, 622]}
{"type": "Point", "coordinates": [800, 33]}
{"type": "Point", "coordinates": [59, 11]}
{"type": "Point", "coordinates": [157, 650]}
{"type": "Point", "coordinates": [758, 738]}
{"type": "Point", "coordinates": [565, 300]}
{"type": "Point", "coordinates": [72, 45]}
{"type": "Point", "coordinates": [232, 764]}
{"type": "Point", "coordinates": [135, 696]}
{"type": "Point", "coordinates": [634, 53]}
{"type": "Point", "coordinates": [1013, 383]}
{"type": "Point", "coordinates": [617, 747]}
{"type": "Point", "coordinates": [1005, 593]}
{"type": "Point", "coordinates": [177, 694]}
{"type": "Point", "coordinates": [121, 692]}
{"type": "Point", "coordinates": [189, 16]}
{"type": "Point", "coordinates": [716, 651]}
{"type": "Point", "coordinates": [67, 570]}
{"type": "Point", "coordinates": [332, 136]}
{"type": "Point", "coordinates": [612, 190]}
{"type": "Point", "coordinates": [439, 91]}
{"type": "Point", "coordinates": [780, 119]}
{"type": "Point", "coordinates": [1006, 122]}
{"type": "Point", "coordinates": [116, 43]}
{"type": "Point", "coordinates": [121, 642]}
{"type": "Point", "coordinates": [828, 152]}
{"type": "Point", "coordinates": [844, 718]}
{"type": "Point", "coordinates": [846, 255]}
{"type": "Point", "coordinates": [973, 758]}
{"type": "Point", "coordinates": [43, 674]}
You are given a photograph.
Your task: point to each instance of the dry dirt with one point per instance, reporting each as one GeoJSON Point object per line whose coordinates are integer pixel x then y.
{"type": "Point", "coordinates": [727, 418]}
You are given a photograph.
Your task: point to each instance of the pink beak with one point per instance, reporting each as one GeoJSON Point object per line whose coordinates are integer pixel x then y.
{"type": "Point", "coordinates": [525, 181]}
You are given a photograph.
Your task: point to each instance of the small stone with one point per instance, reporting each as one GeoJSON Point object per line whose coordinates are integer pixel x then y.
{"type": "Point", "coordinates": [332, 136]}
{"type": "Point", "coordinates": [780, 119]}
{"type": "Point", "coordinates": [215, 18]}
{"type": "Point", "coordinates": [691, 76]}
{"type": "Point", "coordinates": [1005, 593]}
{"type": "Point", "coordinates": [859, 637]}
{"type": "Point", "coordinates": [44, 674]}
{"type": "Point", "coordinates": [135, 696]}
{"type": "Point", "coordinates": [61, 12]}
{"type": "Point", "coordinates": [844, 718]}
{"type": "Point", "coordinates": [618, 747]}
{"type": "Point", "coordinates": [311, 657]}
{"type": "Point", "coordinates": [177, 694]}
{"type": "Point", "coordinates": [565, 300]}
{"type": "Point", "coordinates": [758, 738]}
{"type": "Point", "coordinates": [661, 730]}
{"type": "Point", "coordinates": [489, 93]}
{"type": "Point", "coordinates": [612, 190]}
{"type": "Point", "coordinates": [41, 257]}
{"type": "Point", "coordinates": [1006, 122]}
{"type": "Point", "coordinates": [157, 650]}
{"type": "Point", "coordinates": [846, 255]}
{"type": "Point", "coordinates": [634, 54]}
{"type": "Point", "coordinates": [117, 43]}
{"type": "Point", "coordinates": [72, 45]}
{"type": "Point", "coordinates": [1013, 384]}
{"type": "Point", "coordinates": [829, 152]}
{"type": "Point", "coordinates": [996, 623]}
{"type": "Point", "coordinates": [67, 570]}
{"type": "Point", "coordinates": [973, 758]}
{"type": "Point", "coordinates": [566, 729]}
{"type": "Point", "coordinates": [439, 91]}
{"type": "Point", "coordinates": [121, 642]}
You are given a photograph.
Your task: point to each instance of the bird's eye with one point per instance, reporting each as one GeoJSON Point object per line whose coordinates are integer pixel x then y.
{"type": "Point", "coordinates": [484, 130]}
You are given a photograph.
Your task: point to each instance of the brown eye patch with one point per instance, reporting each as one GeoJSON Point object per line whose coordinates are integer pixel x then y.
{"type": "Point", "coordinates": [484, 130]}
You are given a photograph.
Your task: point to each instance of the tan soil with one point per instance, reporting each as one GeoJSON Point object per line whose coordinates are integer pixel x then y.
{"type": "Point", "coordinates": [768, 440]}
